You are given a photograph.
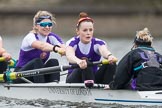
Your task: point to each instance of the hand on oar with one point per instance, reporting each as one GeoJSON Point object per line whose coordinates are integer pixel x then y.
{"type": "Point", "coordinates": [112, 59]}
{"type": "Point", "coordinates": [61, 52]}
{"type": "Point", "coordinates": [59, 49]}
{"type": "Point", "coordinates": [83, 64]}
{"type": "Point", "coordinates": [11, 62]}
{"type": "Point", "coordinates": [6, 56]}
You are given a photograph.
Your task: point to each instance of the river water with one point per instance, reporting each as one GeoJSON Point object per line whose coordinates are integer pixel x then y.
{"type": "Point", "coordinates": [118, 46]}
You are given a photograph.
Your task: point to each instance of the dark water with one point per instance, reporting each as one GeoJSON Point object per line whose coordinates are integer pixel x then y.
{"type": "Point", "coordinates": [119, 47]}
{"type": "Point", "coordinates": [43, 103]}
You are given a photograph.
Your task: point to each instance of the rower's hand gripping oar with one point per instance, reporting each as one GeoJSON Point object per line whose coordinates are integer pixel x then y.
{"type": "Point", "coordinates": [61, 51]}
{"type": "Point", "coordinates": [15, 75]}
{"type": "Point", "coordinates": [11, 63]}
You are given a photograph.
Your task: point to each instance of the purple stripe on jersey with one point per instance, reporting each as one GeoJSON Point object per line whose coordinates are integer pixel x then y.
{"type": "Point", "coordinates": [26, 56]}
{"type": "Point", "coordinates": [92, 55]}
{"type": "Point", "coordinates": [56, 36]}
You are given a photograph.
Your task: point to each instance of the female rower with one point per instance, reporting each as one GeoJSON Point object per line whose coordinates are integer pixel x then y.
{"type": "Point", "coordinates": [85, 48]}
{"type": "Point", "coordinates": [5, 55]}
{"type": "Point", "coordinates": [139, 69]}
{"type": "Point", "coordinates": [37, 45]}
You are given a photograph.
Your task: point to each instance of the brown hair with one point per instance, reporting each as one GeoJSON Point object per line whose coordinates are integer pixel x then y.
{"type": "Point", "coordinates": [83, 17]}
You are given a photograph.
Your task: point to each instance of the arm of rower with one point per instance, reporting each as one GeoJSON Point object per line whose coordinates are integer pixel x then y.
{"type": "Point", "coordinates": [70, 54]}
{"type": "Point", "coordinates": [1, 43]}
{"type": "Point", "coordinates": [42, 46]}
{"type": "Point", "coordinates": [107, 54]}
{"type": "Point", "coordinates": [61, 50]}
{"type": "Point", "coordinates": [2, 50]}
{"type": "Point", "coordinates": [104, 51]}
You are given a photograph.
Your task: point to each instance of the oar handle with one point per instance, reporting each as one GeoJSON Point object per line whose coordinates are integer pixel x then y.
{"type": "Point", "coordinates": [11, 63]}
{"type": "Point", "coordinates": [2, 59]}
{"type": "Point", "coordinates": [104, 61]}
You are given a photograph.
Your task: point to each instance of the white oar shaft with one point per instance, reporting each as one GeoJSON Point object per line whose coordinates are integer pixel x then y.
{"type": "Point", "coordinates": [26, 80]}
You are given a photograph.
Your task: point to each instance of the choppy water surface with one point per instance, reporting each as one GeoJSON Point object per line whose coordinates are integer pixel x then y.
{"type": "Point", "coordinates": [43, 103]}
{"type": "Point", "coordinates": [119, 47]}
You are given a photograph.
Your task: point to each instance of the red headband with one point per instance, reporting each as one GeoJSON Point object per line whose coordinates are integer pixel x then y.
{"type": "Point", "coordinates": [83, 19]}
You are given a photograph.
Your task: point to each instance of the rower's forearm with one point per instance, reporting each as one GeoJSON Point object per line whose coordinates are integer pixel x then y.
{"type": "Point", "coordinates": [103, 50]}
{"type": "Point", "coordinates": [73, 59]}
{"type": "Point", "coordinates": [105, 53]}
{"type": "Point", "coordinates": [2, 50]}
{"type": "Point", "coordinates": [46, 47]}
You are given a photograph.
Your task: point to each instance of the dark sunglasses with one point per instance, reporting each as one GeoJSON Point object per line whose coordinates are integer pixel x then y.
{"type": "Point", "coordinates": [45, 24]}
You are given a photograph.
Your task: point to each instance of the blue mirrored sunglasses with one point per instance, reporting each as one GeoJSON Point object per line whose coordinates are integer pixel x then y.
{"type": "Point", "coordinates": [45, 24]}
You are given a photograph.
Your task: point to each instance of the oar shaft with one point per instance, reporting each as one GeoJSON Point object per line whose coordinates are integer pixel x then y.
{"type": "Point", "coordinates": [35, 72]}
{"type": "Point", "coordinates": [42, 71]}
{"type": "Point", "coordinates": [48, 70]}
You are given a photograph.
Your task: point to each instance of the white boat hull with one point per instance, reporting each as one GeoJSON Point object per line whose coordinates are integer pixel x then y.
{"type": "Point", "coordinates": [78, 93]}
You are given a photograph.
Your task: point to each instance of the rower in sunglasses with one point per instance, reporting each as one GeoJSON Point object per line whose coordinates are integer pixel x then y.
{"type": "Point", "coordinates": [45, 24]}
{"type": "Point", "coordinates": [36, 47]}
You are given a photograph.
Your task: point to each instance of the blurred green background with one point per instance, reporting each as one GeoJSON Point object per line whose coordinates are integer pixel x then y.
{"type": "Point", "coordinates": [113, 18]}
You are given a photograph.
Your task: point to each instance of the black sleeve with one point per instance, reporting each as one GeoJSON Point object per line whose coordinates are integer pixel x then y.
{"type": "Point", "coordinates": [123, 73]}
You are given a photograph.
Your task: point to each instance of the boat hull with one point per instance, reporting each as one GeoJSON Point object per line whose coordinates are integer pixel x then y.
{"type": "Point", "coordinates": [79, 93]}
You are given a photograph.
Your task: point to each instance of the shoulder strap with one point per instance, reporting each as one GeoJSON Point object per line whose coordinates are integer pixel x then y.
{"type": "Point", "coordinates": [152, 59]}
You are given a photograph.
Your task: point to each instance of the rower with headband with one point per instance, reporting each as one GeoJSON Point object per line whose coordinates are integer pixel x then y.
{"type": "Point", "coordinates": [83, 49]}
{"type": "Point", "coordinates": [36, 47]}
